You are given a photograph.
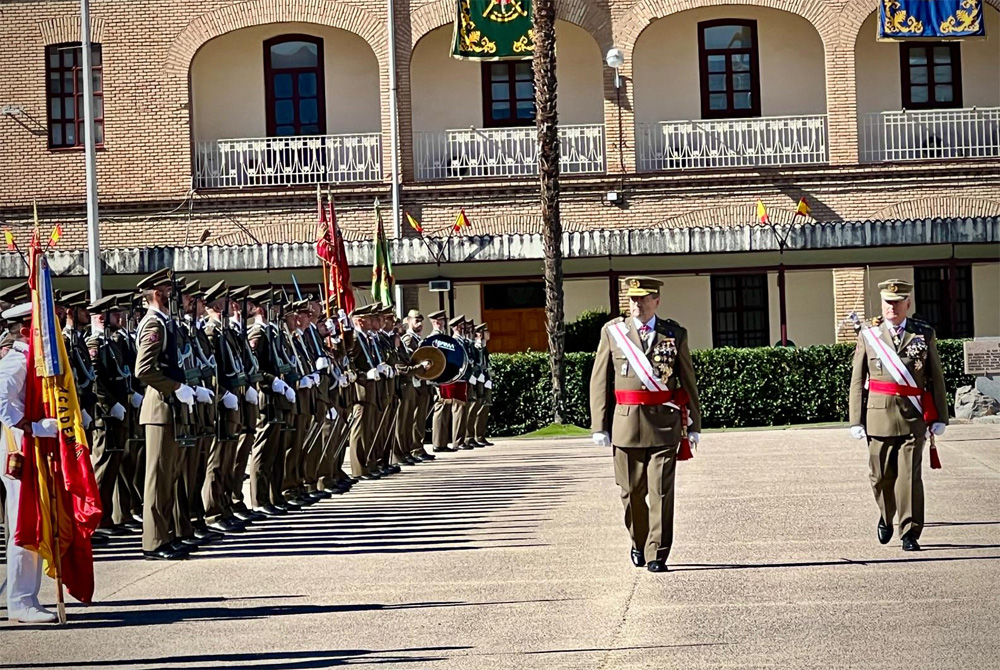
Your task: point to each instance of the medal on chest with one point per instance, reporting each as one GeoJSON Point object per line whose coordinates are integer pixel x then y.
{"type": "Point", "coordinates": [664, 357]}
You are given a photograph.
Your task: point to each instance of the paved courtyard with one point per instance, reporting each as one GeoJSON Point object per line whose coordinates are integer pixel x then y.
{"type": "Point", "coordinates": [514, 557]}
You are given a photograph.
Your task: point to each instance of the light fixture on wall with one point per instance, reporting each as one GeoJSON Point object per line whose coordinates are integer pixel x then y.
{"type": "Point", "coordinates": [615, 59]}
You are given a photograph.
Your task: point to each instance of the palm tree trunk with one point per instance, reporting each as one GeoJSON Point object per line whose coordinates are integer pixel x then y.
{"type": "Point", "coordinates": [547, 119]}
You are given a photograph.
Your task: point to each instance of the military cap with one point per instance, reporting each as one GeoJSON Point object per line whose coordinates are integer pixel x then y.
{"type": "Point", "coordinates": [470, 322]}
{"type": "Point", "coordinates": [438, 315]}
{"type": "Point", "coordinates": [108, 303]}
{"type": "Point", "coordinates": [192, 287]}
{"type": "Point", "coordinates": [74, 299]}
{"type": "Point", "coordinates": [261, 297]}
{"type": "Point", "coordinates": [239, 293]}
{"type": "Point", "coordinates": [17, 313]}
{"type": "Point", "coordinates": [457, 321]}
{"type": "Point", "coordinates": [481, 328]}
{"type": "Point", "coordinates": [894, 290]}
{"type": "Point", "coordinates": [301, 305]}
{"type": "Point", "coordinates": [414, 314]}
{"type": "Point", "coordinates": [637, 287]}
{"type": "Point", "coordinates": [158, 278]}
{"type": "Point", "coordinates": [364, 310]}
{"type": "Point", "coordinates": [216, 291]}
{"type": "Point", "coordinates": [16, 293]}
{"type": "Point", "coordinates": [125, 300]}
{"type": "Point", "coordinates": [388, 311]}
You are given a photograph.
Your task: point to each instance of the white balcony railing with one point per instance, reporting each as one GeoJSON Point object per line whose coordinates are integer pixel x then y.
{"type": "Point", "coordinates": [732, 143]}
{"type": "Point", "coordinates": [284, 161]}
{"type": "Point", "coordinates": [930, 135]}
{"type": "Point", "coordinates": [504, 152]}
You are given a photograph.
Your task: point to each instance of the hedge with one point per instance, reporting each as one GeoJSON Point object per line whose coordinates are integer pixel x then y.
{"type": "Point", "coordinates": [738, 387]}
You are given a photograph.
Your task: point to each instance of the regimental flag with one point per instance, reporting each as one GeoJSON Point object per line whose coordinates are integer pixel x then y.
{"type": "Point", "coordinates": [60, 502]}
{"type": "Point", "coordinates": [340, 270]}
{"type": "Point", "coordinates": [461, 222]}
{"type": "Point", "coordinates": [762, 213]}
{"type": "Point", "coordinates": [493, 30]}
{"type": "Point", "coordinates": [930, 19]}
{"type": "Point", "coordinates": [803, 209]}
{"type": "Point", "coordinates": [414, 223]}
{"type": "Point", "coordinates": [55, 236]}
{"type": "Point", "coordinates": [383, 283]}
{"type": "Point", "coordinates": [8, 238]}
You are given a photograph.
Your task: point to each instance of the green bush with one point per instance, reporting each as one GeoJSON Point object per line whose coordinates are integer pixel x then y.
{"type": "Point", "coordinates": [737, 387]}
{"type": "Point", "coordinates": [585, 333]}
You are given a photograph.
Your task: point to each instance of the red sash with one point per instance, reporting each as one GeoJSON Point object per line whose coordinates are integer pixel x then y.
{"type": "Point", "coordinates": [679, 398]}
{"type": "Point", "coordinates": [889, 388]}
{"type": "Point", "coordinates": [455, 391]}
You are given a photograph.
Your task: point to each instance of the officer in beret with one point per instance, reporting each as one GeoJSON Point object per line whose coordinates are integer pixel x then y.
{"type": "Point", "coordinates": [644, 404]}
{"type": "Point", "coordinates": [897, 399]}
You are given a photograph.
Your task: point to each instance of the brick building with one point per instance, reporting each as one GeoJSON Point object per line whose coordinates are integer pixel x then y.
{"type": "Point", "coordinates": [217, 119]}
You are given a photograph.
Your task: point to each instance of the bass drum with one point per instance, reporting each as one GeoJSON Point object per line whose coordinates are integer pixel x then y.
{"type": "Point", "coordinates": [454, 357]}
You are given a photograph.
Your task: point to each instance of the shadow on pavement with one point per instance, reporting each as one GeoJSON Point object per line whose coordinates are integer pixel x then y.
{"type": "Point", "coordinates": [687, 567]}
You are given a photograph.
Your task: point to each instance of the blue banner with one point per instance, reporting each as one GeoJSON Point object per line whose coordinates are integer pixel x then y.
{"type": "Point", "coordinates": [930, 19]}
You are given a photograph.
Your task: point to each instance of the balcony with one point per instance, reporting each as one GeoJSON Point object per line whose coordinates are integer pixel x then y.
{"type": "Point", "coordinates": [504, 152]}
{"type": "Point", "coordinates": [941, 134]}
{"type": "Point", "coordinates": [732, 143]}
{"type": "Point", "coordinates": [288, 161]}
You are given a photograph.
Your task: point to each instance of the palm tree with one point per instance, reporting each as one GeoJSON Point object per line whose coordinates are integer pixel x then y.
{"type": "Point", "coordinates": [547, 120]}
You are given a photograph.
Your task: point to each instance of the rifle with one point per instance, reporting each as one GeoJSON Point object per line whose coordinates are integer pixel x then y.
{"type": "Point", "coordinates": [184, 433]}
{"type": "Point", "coordinates": [230, 369]}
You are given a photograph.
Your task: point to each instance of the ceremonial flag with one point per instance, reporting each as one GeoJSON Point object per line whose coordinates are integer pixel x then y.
{"type": "Point", "coordinates": [383, 282]}
{"type": "Point", "coordinates": [462, 221]}
{"type": "Point", "coordinates": [762, 212]}
{"type": "Point", "coordinates": [8, 238]}
{"type": "Point", "coordinates": [55, 236]}
{"type": "Point", "coordinates": [340, 269]}
{"type": "Point", "coordinates": [414, 223]}
{"type": "Point", "coordinates": [60, 503]}
{"type": "Point", "coordinates": [803, 209]}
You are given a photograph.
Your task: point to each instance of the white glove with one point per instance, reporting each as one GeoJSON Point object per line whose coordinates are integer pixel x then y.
{"type": "Point", "coordinates": [416, 382]}
{"type": "Point", "coordinates": [426, 365]}
{"type": "Point", "coordinates": [382, 368]}
{"type": "Point", "coordinates": [352, 376]}
{"type": "Point", "coordinates": [331, 324]}
{"type": "Point", "coordinates": [373, 374]}
{"type": "Point", "coordinates": [230, 401]}
{"type": "Point", "coordinates": [694, 438]}
{"type": "Point", "coordinates": [278, 386]}
{"type": "Point", "coordinates": [336, 339]}
{"type": "Point", "coordinates": [45, 428]}
{"type": "Point", "coordinates": [87, 420]}
{"type": "Point", "coordinates": [343, 381]}
{"type": "Point", "coordinates": [117, 412]}
{"type": "Point", "coordinates": [488, 384]}
{"type": "Point", "coordinates": [322, 363]}
{"type": "Point", "coordinates": [332, 414]}
{"type": "Point", "coordinates": [602, 439]}
{"type": "Point", "coordinates": [251, 396]}
{"type": "Point", "coordinates": [392, 372]}
{"type": "Point", "coordinates": [306, 382]}
{"type": "Point", "coordinates": [315, 377]}
{"type": "Point", "coordinates": [136, 400]}
{"type": "Point", "coordinates": [202, 395]}
{"type": "Point", "coordinates": [185, 394]}
{"type": "Point", "coordinates": [858, 432]}
{"type": "Point", "coordinates": [289, 393]}
{"type": "Point", "coordinates": [938, 428]}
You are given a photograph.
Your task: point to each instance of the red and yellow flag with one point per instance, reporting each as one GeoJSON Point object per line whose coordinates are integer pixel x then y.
{"type": "Point", "coordinates": [462, 221]}
{"type": "Point", "coordinates": [55, 235]}
{"type": "Point", "coordinates": [60, 503]}
{"type": "Point", "coordinates": [414, 223]}
{"type": "Point", "coordinates": [762, 212]}
{"type": "Point", "coordinates": [803, 208]}
{"type": "Point", "coordinates": [8, 238]}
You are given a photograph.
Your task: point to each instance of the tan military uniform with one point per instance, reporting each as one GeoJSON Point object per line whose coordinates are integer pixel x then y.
{"type": "Point", "coordinates": [644, 437]}
{"type": "Point", "coordinates": [423, 395]}
{"type": "Point", "coordinates": [221, 458]}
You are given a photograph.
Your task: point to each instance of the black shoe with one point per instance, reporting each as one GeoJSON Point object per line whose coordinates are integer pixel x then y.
{"type": "Point", "coordinates": [638, 560]}
{"type": "Point", "coordinates": [486, 443]}
{"type": "Point", "coordinates": [178, 546]}
{"type": "Point", "coordinates": [467, 447]}
{"type": "Point", "coordinates": [395, 469]}
{"type": "Point", "coordinates": [659, 565]}
{"type": "Point", "coordinates": [282, 509]}
{"type": "Point", "coordinates": [99, 540]}
{"type": "Point", "coordinates": [104, 531]}
{"type": "Point", "coordinates": [292, 503]}
{"type": "Point", "coordinates": [236, 523]}
{"type": "Point", "coordinates": [133, 525]}
{"type": "Point", "coordinates": [409, 460]}
{"type": "Point", "coordinates": [243, 516]}
{"type": "Point", "coordinates": [192, 542]}
{"type": "Point", "coordinates": [428, 457]}
{"type": "Point", "coordinates": [441, 450]}
{"type": "Point", "coordinates": [164, 553]}
{"type": "Point", "coordinates": [884, 532]}
{"type": "Point", "coordinates": [371, 476]}
{"type": "Point", "coordinates": [208, 536]}
{"type": "Point", "coordinates": [910, 543]}
{"type": "Point", "coordinates": [478, 444]}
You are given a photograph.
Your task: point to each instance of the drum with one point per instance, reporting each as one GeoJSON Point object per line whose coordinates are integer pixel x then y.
{"type": "Point", "coordinates": [455, 360]}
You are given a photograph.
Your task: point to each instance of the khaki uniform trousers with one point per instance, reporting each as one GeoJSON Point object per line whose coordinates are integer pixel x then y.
{"type": "Point", "coordinates": [380, 449]}
{"type": "Point", "coordinates": [266, 444]}
{"type": "Point", "coordinates": [639, 472]}
{"type": "Point", "coordinates": [161, 471]}
{"type": "Point", "coordinates": [295, 456]}
{"type": "Point", "coordinates": [450, 417]}
{"type": "Point", "coordinates": [220, 463]}
{"type": "Point", "coordinates": [251, 414]}
{"type": "Point", "coordinates": [107, 458]}
{"type": "Point", "coordinates": [312, 459]}
{"type": "Point", "coordinates": [895, 470]}
{"type": "Point", "coordinates": [402, 439]}
{"type": "Point", "coordinates": [360, 437]}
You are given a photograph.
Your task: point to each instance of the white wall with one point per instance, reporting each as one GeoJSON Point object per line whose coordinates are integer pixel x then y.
{"type": "Point", "coordinates": [448, 93]}
{"type": "Point", "coordinates": [809, 307]}
{"type": "Point", "coordinates": [986, 299]}
{"type": "Point", "coordinates": [227, 82]}
{"type": "Point", "coordinates": [667, 75]}
{"type": "Point", "coordinates": [468, 301]}
{"type": "Point", "coordinates": [582, 295]}
{"type": "Point", "coordinates": [878, 74]}
{"type": "Point", "coordinates": [688, 301]}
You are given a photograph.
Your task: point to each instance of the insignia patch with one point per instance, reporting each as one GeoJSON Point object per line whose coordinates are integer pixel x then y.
{"type": "Point", "coordinates": [892, 288]}
{"type": "Point", "coordinates": [634, 283]}
{"type": "Point", "coordinates": [153, 337]}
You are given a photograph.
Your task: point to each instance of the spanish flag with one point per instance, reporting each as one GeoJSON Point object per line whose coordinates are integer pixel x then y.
{"type": "Point", "coordinates": [803, 208]}
{"type": "Point", "coordinates": [762, 212]}
{"type": "Point", "coordinates": [462, 221]}
{"type": "Point", "coordinates": [414, 223]}
{"type": "Point", "coordinates": [56, 235]}
{"type": "Point", "coordinates": [60, 502]}
{"type": "Point", "coordinates": [8, 238]}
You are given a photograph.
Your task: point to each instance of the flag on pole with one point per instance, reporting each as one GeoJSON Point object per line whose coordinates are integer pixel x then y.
{"type": "Point", "coordinates": [762, 212]}
{"type": "Point", "coordinates": [414, 223]}
{"type": "Point", "coordinates": [383, 282]}
{"type": "Point", "coordinates": [8, 238]}
{"type": "Point", "coordinates": [340, 270]}
{"type": "Point", "coordinates": [462, 221]}
{"type": "Point", "coordinates": [803, 209]}
{"type": "Point", "coordinates": [60, 503]}
{"type": "Point", "coordinates": [55, 235]}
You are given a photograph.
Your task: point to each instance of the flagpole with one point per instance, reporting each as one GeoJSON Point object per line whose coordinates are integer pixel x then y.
{"type": "Point", "coordinates": [90, 151]}
{"type": "Point", "coordinates": [56, 548]}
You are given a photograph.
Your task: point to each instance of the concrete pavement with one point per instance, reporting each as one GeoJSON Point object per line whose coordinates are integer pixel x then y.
{"type": "Point", "coordinates": [514, 556]}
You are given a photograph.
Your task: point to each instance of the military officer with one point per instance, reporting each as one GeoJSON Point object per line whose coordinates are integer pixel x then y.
{"type": "Point", "coordinates": [407, 384]}
{"type": "Point", "coordinates": [366, 392]}
{"type": "Point", "coordinates": [77, 320]}
{"type": "Point", "coordinates": [482, 415]}
{"type": "Point", "coordinates": [249, 409]}
{"type": "Point", "coordinates": [439, 322]}
{"type": "Point", "coordinates": [897, 360]}
{"type": "Point", "coordinates": [158, 367]}
{"type": "Point", "coordinates": [424, 391]}
{"type": "Point", "coordinates": [476, 381]}
{"type": "Point", "coordinates": [128, 492]}
{"type": "Point", "coordinates": [644, 403]}
{"type": "Point", "coordinates": [449, 410]}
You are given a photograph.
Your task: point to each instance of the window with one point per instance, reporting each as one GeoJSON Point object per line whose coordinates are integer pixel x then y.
{"type": "Point", "coordinates": [932, 74]}
{"type": "Point", "coordinates": [294, 86]}
{"type": "Point", "coordinates": [64, 86]}
{"type": "Point", "coordinates": [740, 311]}
{"type": "Point", "coordinates": [730, 76]}
{"type": "Point", "coordinates": [944, 299]}
{"type": "Point", "coordinates": [514, 296]}
{"type": "Point", "coordinates": [508, 94]}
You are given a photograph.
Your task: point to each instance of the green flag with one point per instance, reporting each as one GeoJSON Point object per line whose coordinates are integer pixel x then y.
{"type": "Point", "coordinates": [383, 283]}
{"type": "Point", "coordinates": [493, 30]}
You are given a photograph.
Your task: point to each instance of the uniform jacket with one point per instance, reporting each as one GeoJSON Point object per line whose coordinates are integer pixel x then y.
{"type": "Point", "coordinates": [362, 360]}
{"type": "Point", "coordinates": [156, 366]}
{"type": "Point", "coordinates": [412, 342]}
{"type": "Point", "coordinates": [885, 415]}
{"type": "Point", "coordinates": [635, 425]}
{"type": "Point", "coordinates": [112, 383]}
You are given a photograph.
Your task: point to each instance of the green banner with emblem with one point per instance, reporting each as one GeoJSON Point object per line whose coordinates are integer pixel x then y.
{"type": "Point", "coordinates": [493, 30]}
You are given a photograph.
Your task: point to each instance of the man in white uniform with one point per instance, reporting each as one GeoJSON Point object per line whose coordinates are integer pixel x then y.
{"type": "Point", "coordinates": [24, 568]}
